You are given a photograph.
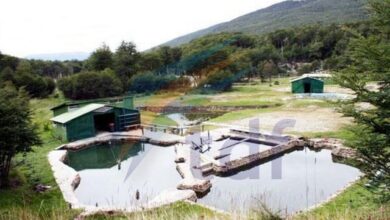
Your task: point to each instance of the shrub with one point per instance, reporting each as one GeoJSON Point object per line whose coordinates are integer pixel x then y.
{"type": "Point", "coordinates": [219, 81]}
{"type": "Point", "coordinates": [150, 82]}
{"type": "Point", "coordinates": [91, 85]}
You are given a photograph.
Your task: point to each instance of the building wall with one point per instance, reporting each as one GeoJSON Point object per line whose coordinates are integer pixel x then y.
{"type": "Point", "coordinates": [317, 86]}
{"type": "Point", "coordinates": [60, 131]}
{"type": "Point", "coordinates": [60, 110]}
{"type": "Point", "coordinates": [82, 127]}
{"type": "Point", "coordinates": [126, 117]}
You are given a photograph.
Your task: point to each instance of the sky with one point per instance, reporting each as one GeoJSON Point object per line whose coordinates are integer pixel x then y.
{"type": "Point", "coordinates": [56, 26]}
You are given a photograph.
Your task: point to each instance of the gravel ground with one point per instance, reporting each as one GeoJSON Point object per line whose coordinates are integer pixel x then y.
{"type": "Point", "coordinates": [309, 119]}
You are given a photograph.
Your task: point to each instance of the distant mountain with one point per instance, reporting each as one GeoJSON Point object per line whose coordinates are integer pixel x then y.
{"type": "Point", "coordinates": [285, 15]}
{"type": "Point", "coordinates": [60, 56]}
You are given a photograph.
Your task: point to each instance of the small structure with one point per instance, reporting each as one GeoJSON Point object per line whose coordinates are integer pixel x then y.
{"type": "Point", "coordinates": [126, 101]}
{"type": "Point", "coordinates": [306, 84]}
{"type": "Point", "coordinates": [318, 75]}
{"type": "Point", "coordinates": [89, 120]}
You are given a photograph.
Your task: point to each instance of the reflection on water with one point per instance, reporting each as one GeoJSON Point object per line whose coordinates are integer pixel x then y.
{"type": "Point", "coordinates": [305, 178]}
{"type": "Point", "coordinates": [143, 167]}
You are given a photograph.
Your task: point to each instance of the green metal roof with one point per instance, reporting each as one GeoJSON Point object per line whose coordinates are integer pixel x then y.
{"type": "Point", "coordinates": [89, 101]}
{"type": "Point", "coordinates": [304, 77]}
{"type": "Point", "coordinates": [69, 116]}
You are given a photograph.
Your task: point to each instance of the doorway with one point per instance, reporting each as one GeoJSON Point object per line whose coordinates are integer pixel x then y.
{"type": "Point", "coordinates": [306, 87]}
{"type": "Point", "coordinates": [104, 122]}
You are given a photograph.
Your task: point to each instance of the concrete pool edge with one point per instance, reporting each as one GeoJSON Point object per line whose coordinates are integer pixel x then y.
{"type": "Point", "coordinates": [155, 138]}
{"type": "Point", "coordinates": [68, 179]}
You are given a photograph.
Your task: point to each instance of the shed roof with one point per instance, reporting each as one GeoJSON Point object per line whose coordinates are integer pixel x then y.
{"type": "Point", "coordinates": [88, 101]}
{"type": "Point", "coordinates": [318, 75]}
{"type": "Point", "coordinates": [69, 116]}
{"type": "Point", "coordinates": [304, 77]}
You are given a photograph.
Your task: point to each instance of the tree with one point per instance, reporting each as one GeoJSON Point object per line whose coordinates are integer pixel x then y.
{"type": "Point", "coordinates": [201, 64]}
{"type": "Point", "coordinates": [170, 58]}
{"type": "Point", "coordinates": [100, 59]}
{"type": "Point", "coordinates": [370, 61]}
{"type": "Point", "coordinates": [8, 61]}
{"type": "Point", "coordinates": [244, 41]}
{"type": "Point", "coordinates": [151, 82]}
{"type": "Point", "coordinates": [150, 62]}
{"type": "Point", "coordinates": [17, 132]}
{"type": "Point", "coordinates": [126, 61]}
{"type": "Point", "coordinates": [220, 81]}
{"type": "Point", "coordinates": [91, 85]}
{"type": "Point", "coordinates": [267, 69]}
{"type": "Point", "coordinates": [35, 85]}
{"type": "Point", "coordinates": [7, 74]}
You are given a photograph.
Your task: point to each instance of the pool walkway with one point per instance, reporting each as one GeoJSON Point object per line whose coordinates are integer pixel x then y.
{"type": "Point", "coordinates": [152, 137]}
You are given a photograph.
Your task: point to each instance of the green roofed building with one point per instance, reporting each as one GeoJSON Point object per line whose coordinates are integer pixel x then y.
{"type": "Point", "coordinates": [90, 119]}
{"type": "Point", "coordinates": [126, 101]}
{"type": "Point", "coordinates": [307, 84]}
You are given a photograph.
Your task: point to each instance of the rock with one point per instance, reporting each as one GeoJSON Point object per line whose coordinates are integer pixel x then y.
{"type": "Point", "coordinates": [76, 181]}
{"type": "Point", "coordinates": [197, 185]}
{"type": "Point", "coordinates": [181, 153]}
{"type": "Point", "coordinates": [171, 196]}
{"type": "Point", "coordinates": [344, 152]}
{"type": "Point", "coordinates": [41, 188]}
{"type": "Point", "coordinates": [325, 143]}
{"type": "Point", "coordinates": [335, 145]}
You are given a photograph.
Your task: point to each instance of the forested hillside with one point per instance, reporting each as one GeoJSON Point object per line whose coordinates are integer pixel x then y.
{"type": "Point", "coordinates": [286, 15]}
{"type": "Point", "coordinates": [209, 63]}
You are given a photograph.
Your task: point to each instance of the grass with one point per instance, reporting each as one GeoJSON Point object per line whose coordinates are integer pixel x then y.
{"type": "Point", "coordinates": [32, 169]}
{"type": "Point", "coordinates": [240, 95]}
{"type": "Point", "coordinates": [237, 115]}
{"type": "Point", "coordinates": [164, 99]}
{"type": "Point", "coordinates": [179, 210]}
{"type": "Point", "coordinates": [357, 202]}
{"type": "Point", "coordinates": [343, 133]}
{"type": "Point", "coordinates": [153, 118]}
{"type": "Point", "coordinates": [22, 202]}
{"type": "Point", "coordinates": [301, 103]}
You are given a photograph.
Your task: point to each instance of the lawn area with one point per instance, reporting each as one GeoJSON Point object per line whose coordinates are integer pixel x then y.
{"type": "Point", "coordinates": [153, 118]}
{"type": "Point", "coordinates": [252, 94]}
{"type": "Point", "coordinates": [176, 211]}
{"type": "Point", "coordinates": [357, 202]}
{"type": "Point", "coordinates": [22, 202]}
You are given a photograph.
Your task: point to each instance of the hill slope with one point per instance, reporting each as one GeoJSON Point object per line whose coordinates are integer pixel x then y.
{"type": "Point", "coordinates": [284, 15]}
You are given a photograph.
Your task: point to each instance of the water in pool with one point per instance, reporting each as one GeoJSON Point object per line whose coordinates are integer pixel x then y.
{"type": "Point", "coordinates": [307, 178]}
{"type": "Point", "coordinates": [145, 168]}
